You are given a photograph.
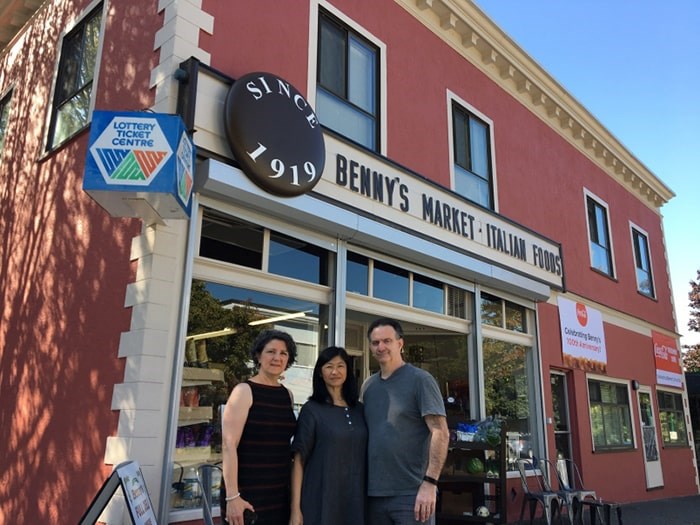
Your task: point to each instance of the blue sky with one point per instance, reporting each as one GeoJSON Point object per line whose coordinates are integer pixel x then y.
{"type": "Point", "coordinates": [635, 65]}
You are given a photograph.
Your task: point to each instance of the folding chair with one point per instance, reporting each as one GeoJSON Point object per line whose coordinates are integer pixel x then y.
{"type": "Point", "coordinates": [551, 501]}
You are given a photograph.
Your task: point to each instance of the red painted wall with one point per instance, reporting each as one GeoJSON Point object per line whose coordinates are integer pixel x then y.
{"type": "Point", "coordinates": [64, 267]}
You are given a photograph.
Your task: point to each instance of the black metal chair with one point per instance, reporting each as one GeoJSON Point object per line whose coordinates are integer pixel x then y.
{"type": "Point", "coordinates": [544, 495]}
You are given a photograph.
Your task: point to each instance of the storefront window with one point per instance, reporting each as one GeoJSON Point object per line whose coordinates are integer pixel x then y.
{"type": "Point", "coordinates": [610, 415]}
{"type": "Point", "coordinates": [672, 417]}
{"type": "Point", "coordinates": [507, 393]}
{"type": "Point", "coordinates": [491, 310]}
{"type": "Point", "coordinates": [357, 274]}
{"type": "Point", "coordinates": [390, 283]}
{"type": "Point", "coordinates": [428, 294]}
{"type": "Point", "coordinates": [222, 324]}
{"type": "Point", "coordinates": [297, 259]}
{"type": "Point", "coordinates": [231, 240]}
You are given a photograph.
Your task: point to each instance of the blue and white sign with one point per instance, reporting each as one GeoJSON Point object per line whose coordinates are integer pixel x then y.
{"type": "Point", "coordinates": [140, 164]}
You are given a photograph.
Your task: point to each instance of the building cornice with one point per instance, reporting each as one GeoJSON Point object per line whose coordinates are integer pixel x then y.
{"type": "Point", "coordinates": [470, 32]}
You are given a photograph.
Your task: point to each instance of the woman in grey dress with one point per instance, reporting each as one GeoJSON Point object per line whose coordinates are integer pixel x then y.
{"type": "Point", "coordinates": [330, 448]}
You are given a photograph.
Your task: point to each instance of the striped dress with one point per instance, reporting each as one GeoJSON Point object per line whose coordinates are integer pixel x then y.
{"type": "Point", "coordinates": [264, 457]}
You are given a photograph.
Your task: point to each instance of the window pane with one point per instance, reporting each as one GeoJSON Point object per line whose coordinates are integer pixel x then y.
{"type": "Point", "coordinates": [345, 119]}
{"type": "Point", "coordinates": [642, 265]}
{"type": "Point", "coordinates": [515, 317]}
{"type": "Point", "coordinates": [472, 187]}
{"type": "Point", "coordinates": [4, 117]}
{"type": "Point", "coordinates": [70, 65]}
{"type": "Point", "coordinates": [72, 116]}
{"type": "Point", "coordinates": [357, 273]}
{"type": "Point", "coordinates": [362, 80]}
{"type": "Point", "coordinates": [491, 310]}
{"type": "Point", "coordinates": [231, 240]}
{"type": "Point", "coordinates": [478, 135]}
{"type": "Point", "coordinates": [506, 389]}
{"type": "Point", "coordinates": [331, 71]}
{"type": "Point", "coordinates": [600, 259]}
{"type": "Point", "coordinates": [90, 44]}
{"type": "Point", "coordinates": [390, 283]}
{"type": "Point", "coordinates": [459, 124]}
{"type": "Point", "coordinates": [297, 259]}
{"type": "Point", "coordinates": [428, 294]}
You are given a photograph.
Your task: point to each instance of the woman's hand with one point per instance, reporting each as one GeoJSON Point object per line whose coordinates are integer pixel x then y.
{"type": "Point", "coordinates": [296, 518]}
{"type": "Point", "coordinates": [234, 510]}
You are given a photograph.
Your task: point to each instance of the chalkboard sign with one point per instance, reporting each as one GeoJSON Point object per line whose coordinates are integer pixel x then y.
{"type": "Point", "coordinates": [129, 477]}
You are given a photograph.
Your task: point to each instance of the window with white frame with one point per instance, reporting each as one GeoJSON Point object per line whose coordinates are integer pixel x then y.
{"type": "Point", "coordinates": [642, 262]}
{"type": "Point", "coordinates": [611, 423]}
{"type": "Point", "coordinates": [4, 118]}
{"type": "Point", "coordinates": [347, 95]}
{"type": "Point", "coordinates": [599, 235]}
{"type": "Point", "coordinates": [472, 157]}
{"type": "Point", "coordinates": [74, 83]}
{"type": "Point", "coordinates": [672, 417]}
{"type": "Point", "coordinates": [510, 389]}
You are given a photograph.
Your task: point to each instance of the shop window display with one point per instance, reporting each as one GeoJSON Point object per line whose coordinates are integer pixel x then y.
{"type": "Point", "coordinates": [672, 417]}
{"type": "Point", "coordinates": [507, 387]}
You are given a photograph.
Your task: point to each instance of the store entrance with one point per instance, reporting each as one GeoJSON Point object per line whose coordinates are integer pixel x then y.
{"type": "Point", "coordinates": [442, 352]}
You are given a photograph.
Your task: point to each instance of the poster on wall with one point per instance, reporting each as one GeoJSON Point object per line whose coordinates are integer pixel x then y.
{"type": "Point", "coordinates": [668, 360]}
{"type": "Point", "coordinates": [582, 336]}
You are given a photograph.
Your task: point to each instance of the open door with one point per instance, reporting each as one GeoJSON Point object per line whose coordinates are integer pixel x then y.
{"type": "Point", "coordinates": [652, 462]}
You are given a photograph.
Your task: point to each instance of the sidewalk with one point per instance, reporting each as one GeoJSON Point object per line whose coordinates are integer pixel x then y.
{"type": "Point", "coordinates": [672, 511]}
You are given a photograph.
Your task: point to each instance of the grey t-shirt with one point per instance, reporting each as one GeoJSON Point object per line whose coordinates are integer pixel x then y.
{"type": "Point", "coordinates": [399, 439]}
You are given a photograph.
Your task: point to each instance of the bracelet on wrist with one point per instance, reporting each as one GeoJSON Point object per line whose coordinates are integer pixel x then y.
{"type": "Point", "coordinates": [231, 498]}
{"type": "Point", "coordinates": [430, 480]}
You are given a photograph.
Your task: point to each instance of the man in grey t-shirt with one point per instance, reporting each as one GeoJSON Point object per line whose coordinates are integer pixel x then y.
{"type": "Point", "coordinates": [408, 434]}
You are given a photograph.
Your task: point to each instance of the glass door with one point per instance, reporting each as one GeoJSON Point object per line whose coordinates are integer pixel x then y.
{"type": "Point", "coordinates": [652, 463]}
{"type": "Point", "coordinates": [562, 426]}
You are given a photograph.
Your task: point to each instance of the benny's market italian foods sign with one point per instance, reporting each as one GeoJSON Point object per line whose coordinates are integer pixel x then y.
{"type": "Point", "coordinates": [386, 190]}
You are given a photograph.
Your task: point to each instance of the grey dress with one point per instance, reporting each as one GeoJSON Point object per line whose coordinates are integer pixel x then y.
{"type": "Point", "coordinates": [332, 442]}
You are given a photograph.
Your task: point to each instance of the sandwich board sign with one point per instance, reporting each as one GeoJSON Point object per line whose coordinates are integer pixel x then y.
{"type": "Point", "coordinates": [129, 477]}
{"type": "Point", "coordinates": [140, 164]}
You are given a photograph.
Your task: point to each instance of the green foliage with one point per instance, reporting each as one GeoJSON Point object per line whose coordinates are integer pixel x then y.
{"type": "Point", "coordinates": [208, 314]}
{"type": "Point", "coordinates": [691, 354]}
{"type": "Point", "coordinates": [691, 358]}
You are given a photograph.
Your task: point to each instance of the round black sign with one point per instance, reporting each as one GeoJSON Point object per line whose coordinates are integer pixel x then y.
{"type": "Point", "coordinates": [274, 134]}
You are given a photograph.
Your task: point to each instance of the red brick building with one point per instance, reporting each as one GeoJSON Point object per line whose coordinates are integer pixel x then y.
{"type": "Point", "coordinates": [464, 192]}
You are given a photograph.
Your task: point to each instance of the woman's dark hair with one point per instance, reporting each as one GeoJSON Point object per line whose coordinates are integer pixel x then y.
{"type": "Point", "coordinates": [320, 391]}
{"type": "Point", "coordinates": [269, 335]}
{"type": "Point", "coordinates": [386, 321]}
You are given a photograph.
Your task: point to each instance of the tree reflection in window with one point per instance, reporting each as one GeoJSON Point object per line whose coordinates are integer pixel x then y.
{"type": "Point", "coordinates": [506, 388]}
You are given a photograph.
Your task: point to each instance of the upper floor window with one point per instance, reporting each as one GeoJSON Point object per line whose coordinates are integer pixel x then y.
{"type": "Point", "coordinates": [472, 157]}
{"type": "Point", "coordinates": [599, 235]}
{"type": "Point", "coordinates": [4, 118]}
{"type": "Point", "coordinates": [71, 101]}
{"type": "Point", "coordinates": [642, 262]}
{"type": "Point", "coordinates": [347, 97]}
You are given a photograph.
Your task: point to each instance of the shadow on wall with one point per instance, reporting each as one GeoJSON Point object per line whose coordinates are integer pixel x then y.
{"type": "Point", "coordinates": [64, 267]}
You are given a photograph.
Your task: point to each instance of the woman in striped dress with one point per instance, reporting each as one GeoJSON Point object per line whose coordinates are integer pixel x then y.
{"type": "Point", "coordinates": [258, 424]}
